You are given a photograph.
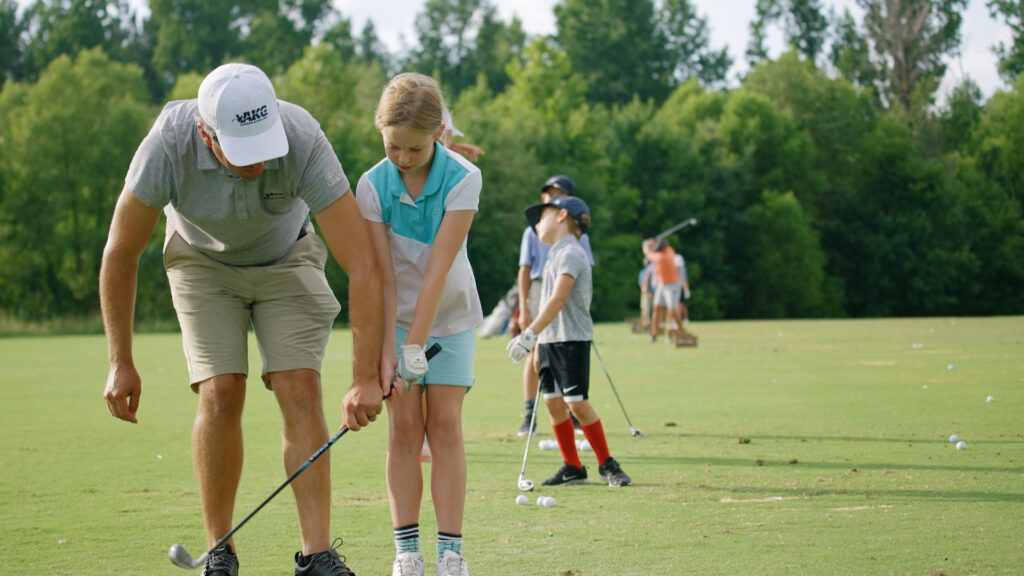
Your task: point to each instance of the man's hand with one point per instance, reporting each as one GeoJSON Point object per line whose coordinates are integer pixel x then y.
{"type": "Point", "coordinates": [361, 405]}
{"type": "Point", "coordinates": [521, 345]}
{"type": "Point", "coordinates": [122, 392]}
{"type": "Point", "coordinates": [686, 293]}
{"type": "Point", "coordinates": [412, 364]}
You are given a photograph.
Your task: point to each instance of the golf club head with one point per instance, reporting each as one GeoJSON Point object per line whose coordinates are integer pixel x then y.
{"type": "Point", "coordinates": [525, 485]}
{"type": "Point", "coordinates": [637, 433]}
{"type": "Point", "coordinates": [182, 559]}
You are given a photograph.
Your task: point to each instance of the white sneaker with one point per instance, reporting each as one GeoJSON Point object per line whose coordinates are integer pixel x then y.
{"type": "Point", "coordinates": [408, 564]}
{"type": "Point", "coordinates": [451, 564]}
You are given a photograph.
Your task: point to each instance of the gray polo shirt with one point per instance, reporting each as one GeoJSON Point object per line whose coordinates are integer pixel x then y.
{"type": "Point", "coordinates": [573, 322]}
{"type": "Point", "coordinates": [234, 221]}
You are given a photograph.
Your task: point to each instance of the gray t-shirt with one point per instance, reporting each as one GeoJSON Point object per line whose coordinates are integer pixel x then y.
{"type": "Point", "coordinates": [234, 221]}
{"type": "Point", "coordinates": [573, 322]}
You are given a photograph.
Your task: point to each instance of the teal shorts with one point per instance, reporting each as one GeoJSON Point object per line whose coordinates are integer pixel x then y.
{"type": "Point", "coordinates": [453, 366]}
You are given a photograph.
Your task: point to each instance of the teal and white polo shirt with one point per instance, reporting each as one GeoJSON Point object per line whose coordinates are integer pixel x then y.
{"type": "Point", "coordinates": [453, 184]}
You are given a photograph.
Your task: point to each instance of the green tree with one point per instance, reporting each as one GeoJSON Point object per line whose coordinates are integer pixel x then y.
{"type": "Point", "coordinates": [13, 27]}
{"type": "Point", "coordinates": [65, 145]}
{"type": "Point", "coordinates": [614, 45]}
{"type": "Point", "coordinates": [911, 38]}
{"type": "Point", "coordinates": [783, 265]}
{"type": "Point", "coordinates": [277, 35]}
{"type": "Point", "coordinates": [804, 24]}
{"type": "Point", "coordinates": [1011, 58]}
{"type": "Point", "coordinates": [66, 27]}
{"type": "Point", "coordinates": [685, 35]}
{"type": "Point", "coordinates": [192, 35]}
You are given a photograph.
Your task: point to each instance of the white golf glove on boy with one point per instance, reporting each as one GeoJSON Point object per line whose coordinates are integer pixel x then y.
{"type": "Point", "coordinates": [412, 364]}
{"type": "Point", "coordinates": [521, 345]}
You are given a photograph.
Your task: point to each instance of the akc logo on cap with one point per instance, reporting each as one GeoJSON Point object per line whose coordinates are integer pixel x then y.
{"type": "Point", "coordinates": [252, 116]}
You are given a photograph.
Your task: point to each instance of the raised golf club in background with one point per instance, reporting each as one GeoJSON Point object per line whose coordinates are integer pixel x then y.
{"type": "Point", "coordinates": [634, 431]}
{"type": "Point", "coordinates": [180, 557]}
{"type": "Point", "coordinates": [524, 484]}
{"type": "Point", "coordinates": [676, 228]}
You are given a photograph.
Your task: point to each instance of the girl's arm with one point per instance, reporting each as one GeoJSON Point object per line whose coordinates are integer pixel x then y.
{"type": "Point", "coordinates": [450, 238]}
{"type": "Point", "coordinates": [389, 289]}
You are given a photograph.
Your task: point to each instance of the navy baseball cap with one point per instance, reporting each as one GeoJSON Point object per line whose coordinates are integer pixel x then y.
{"type": "Point", "coordinates": [574, 206]}
{"type": "Point", "coordinates": [562, 182]}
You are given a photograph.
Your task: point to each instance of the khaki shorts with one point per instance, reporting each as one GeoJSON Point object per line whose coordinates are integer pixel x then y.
{"type": "Point", "coordinates": [533, 298]}
{"type": "Point", "coordinates": [288, 303]}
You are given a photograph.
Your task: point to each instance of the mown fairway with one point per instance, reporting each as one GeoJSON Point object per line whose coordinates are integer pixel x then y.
{"type": "Point", "coordinates": [847, 471]}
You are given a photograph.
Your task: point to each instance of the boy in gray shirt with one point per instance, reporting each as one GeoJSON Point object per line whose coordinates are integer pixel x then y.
{"type": "Point", "coordinates": [563, 345]}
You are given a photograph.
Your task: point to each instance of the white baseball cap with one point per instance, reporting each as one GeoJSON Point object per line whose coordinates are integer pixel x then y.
{"type": "Point", "coordinates": [238, 103]}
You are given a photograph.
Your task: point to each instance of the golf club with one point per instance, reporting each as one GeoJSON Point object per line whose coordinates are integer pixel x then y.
{"type": "Point", "coordinates": [181, 558]}
{"type": "Point", "coordinates": [677, 227]}
{"type": "Point", "coordinates": [524, 484]}
{"type": "Point", "coordinates": [634, 431]}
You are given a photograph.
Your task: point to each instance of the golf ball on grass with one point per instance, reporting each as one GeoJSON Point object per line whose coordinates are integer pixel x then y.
{"type": "Point", "coordinates": [990, 399]}
{"type": "Point", "coordinates": [954, 439]}
{"type": "Point", "coordinates": [522, 500]}
{"type": "Point", "coordinates": [961, 445]}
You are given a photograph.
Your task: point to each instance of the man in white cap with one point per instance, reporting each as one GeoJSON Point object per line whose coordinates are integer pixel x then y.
{"type": "Point", "coordinates": [237, 173]}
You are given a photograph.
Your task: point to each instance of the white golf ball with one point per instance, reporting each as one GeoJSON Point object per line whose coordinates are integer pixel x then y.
{"type": "Point", "coordinates": [961, 445]}
{"type": "Point", "coordinates": [950, 367]}
{"type": "Point", "coordinates": [522, 500]}
{"type": "Point", "coordinates": [540, 500]}
{"type": "Point", "coordinates": [954, 439]}
{"type": "Point", "coordinates": [549, 501]}
{"type": "Point", "coordinates": [990, 399]}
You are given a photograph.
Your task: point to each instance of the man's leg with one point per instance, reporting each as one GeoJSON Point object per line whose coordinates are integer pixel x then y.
{"type": "Point", "coordinates": [305, 431]}
{"type": "Point", "coordinates": [217, 450]}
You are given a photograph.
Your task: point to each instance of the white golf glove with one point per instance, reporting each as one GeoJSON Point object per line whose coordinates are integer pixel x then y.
{"type": "Point", "coordinates": [686, 294]}
{"type": "Point", "coordinates": [521, 345]}
{"type": "Point", "coordinates": [412, 364]}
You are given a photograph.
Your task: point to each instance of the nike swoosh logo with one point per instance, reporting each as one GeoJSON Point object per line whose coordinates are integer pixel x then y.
{"type": "Point", "coordinates": [566, 478]}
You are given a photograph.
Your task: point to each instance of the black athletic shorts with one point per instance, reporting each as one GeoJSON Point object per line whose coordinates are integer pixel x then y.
{"type": "Point", "coordinates": [564, 370]}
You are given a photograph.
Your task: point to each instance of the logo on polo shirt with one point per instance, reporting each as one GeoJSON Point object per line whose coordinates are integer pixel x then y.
{"type": "Point", "coordinates": [252, 116]}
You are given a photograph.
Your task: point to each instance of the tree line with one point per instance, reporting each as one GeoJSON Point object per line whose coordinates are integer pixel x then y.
{"type": "Point", "coordinates": [829, 182]}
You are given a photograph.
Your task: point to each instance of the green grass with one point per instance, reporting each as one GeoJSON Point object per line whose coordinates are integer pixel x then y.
{"type": "Point", "coordinates": [848, 470]}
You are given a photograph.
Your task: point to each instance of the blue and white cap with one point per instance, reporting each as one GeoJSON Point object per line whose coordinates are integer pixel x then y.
{"type": "Point", "coordinates": [237, 102]}
{"type": "Point", "coordinates": [577, 209]}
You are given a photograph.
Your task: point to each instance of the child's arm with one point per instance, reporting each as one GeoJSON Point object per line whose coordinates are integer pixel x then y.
{"type": "Point", "coordinates": [549, 311]}
{"type": "Point", "coordinates": [449, 240]}
{"type": "Point", "coordinates": [521, 345]}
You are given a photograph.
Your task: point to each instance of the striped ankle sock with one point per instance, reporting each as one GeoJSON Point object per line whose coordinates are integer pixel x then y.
{"type": "Point", "coordinates": [407, 538]}
{"type": "Point", "coordinates": [447, 541]}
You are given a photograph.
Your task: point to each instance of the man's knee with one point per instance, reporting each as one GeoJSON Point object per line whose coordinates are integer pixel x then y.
{"type": "Point", "coordinates": [222, 396]}
{"type": "Point", "coordinates": [297, 392]}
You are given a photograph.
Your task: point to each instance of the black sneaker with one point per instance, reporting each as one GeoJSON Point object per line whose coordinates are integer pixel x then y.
{"type": "Point", "coordinates": [612, 473]}
{"type": "Point", "coordinates": [326, 563]}
{"type": "Point", "coordinates": [524, 430]}
{"type": "Point", "coordinates": [221, 562]}
{"type": "Point", "coordinates": [567, 475]}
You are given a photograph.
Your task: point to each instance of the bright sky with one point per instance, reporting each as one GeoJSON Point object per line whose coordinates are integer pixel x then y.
{"type": "Point", "coordinates": [729, 21]}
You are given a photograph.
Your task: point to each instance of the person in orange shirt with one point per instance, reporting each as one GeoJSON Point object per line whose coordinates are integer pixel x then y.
{"type": "Point", "coordinates": [666, 295]}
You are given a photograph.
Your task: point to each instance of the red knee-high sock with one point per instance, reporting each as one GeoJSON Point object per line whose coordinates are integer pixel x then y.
{"type": "Point", "coordinates": [566, 436]}
{"type": "Point", "coordinates": [595, 435]}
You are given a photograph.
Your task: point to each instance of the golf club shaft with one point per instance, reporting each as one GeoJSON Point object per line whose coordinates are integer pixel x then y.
{"type": "Point", "coordinates": [677, 227]}
{"type": "Point", "coordinates": [529, 435]}
{"type": "Point", "coordinates": [429, 354]}
{"type": "Point", "coordinates": [609, 376]}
